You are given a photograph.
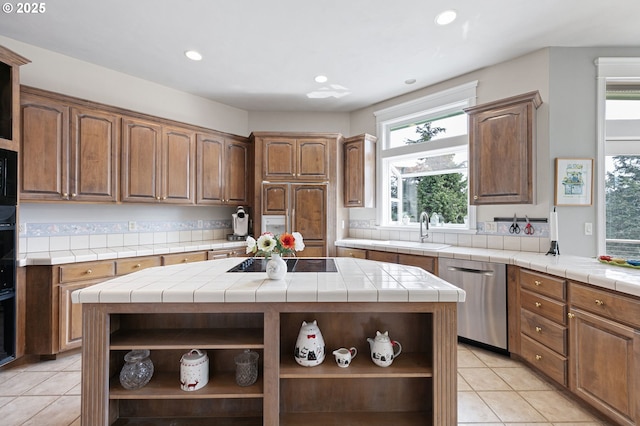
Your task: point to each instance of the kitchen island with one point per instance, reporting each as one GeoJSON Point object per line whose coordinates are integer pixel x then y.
{"type": "Point", "coordinates": [173, 309]}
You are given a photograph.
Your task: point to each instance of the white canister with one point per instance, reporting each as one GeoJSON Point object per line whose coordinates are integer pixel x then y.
{"type": "Point", "coordinates": [194, 370]}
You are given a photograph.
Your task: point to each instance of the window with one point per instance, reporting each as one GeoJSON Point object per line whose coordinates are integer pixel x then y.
{"type": "Point", "coordinates": [618, 156]}
{"type": "Point", "coordinates": [423, 157]}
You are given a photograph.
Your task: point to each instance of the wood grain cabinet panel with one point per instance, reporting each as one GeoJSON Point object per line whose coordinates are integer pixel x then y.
{"type": "Point", "coordinates": [275, 198]}
{"type": "Point", "coordinates": [222, 171]}
{"type": "Point", "coordinates": [44, 172]}
{"type": "Point", "coordinates": [351, 252]}
{"type": "Point", "coordinates": [605, 357]}
{"type": "Point", "coordinates": [360, 171]}
{"type": "Point", "coordinates": [501, 154]}
{"type": "Point", "coordinates": [309, 216]}
{"type": "Point", "coordinates": [178, 166]}
{"type": "Point", "coordinates": [296, 159]}
{"type": "Point", "coordinates": [70, 153]}
{"type": "Point", "coordinates": [141, 160]}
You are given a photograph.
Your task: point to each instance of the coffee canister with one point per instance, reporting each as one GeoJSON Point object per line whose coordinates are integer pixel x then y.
{"type": "Point", "coordinates": [194, 370]}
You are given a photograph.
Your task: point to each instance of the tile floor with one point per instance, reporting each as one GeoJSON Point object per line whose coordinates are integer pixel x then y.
{"type": "Point", "coordinates": [493, 390]}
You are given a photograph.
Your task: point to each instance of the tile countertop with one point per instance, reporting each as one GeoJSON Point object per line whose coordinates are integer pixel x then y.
{"type": "Point", "coordinates": [583, 269]}
{"type": "Point", "coordinates": [357, 280]}
{"type": "Point", "coordinates": [119, 252]}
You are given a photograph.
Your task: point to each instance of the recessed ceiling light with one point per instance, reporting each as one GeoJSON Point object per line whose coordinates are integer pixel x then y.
{"type": "Point", "coordinates": [446, 17]}
{"type": "Point", "coordinates": [410, 81]}
{"type": "Point", "coordinates": [193, 55]}
{"type": "Point", "coordinates": [321, 79]}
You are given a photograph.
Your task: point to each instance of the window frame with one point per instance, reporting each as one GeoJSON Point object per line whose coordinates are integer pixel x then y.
{"type": "Point", "coordinates": [619, 70]}
{"type": "Point", "coordinates": [419, 110]}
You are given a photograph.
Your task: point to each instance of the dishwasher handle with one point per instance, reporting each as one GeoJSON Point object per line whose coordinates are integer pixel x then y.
{"type": "Point", "coordinates": [488, 273]}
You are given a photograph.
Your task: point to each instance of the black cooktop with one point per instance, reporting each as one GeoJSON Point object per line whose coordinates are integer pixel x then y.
{"type": "Point", "coordinates": [259, 264]}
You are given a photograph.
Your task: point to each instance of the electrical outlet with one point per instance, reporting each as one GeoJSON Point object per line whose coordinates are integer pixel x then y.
{"type": "Point", "coordinates": [22, 228]}
{"type": "Point", "coordinates": [490, 227]}
{"type": "Point", "coordinates": [588, 228]}
{"type": "Point", "coordinates": [200, 224]}
{"type": "Point", "coordinates": [133, 226]}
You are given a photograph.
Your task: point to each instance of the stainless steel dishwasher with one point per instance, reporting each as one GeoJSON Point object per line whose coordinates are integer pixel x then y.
{"type": "Point", "coordinates": [482, 317]}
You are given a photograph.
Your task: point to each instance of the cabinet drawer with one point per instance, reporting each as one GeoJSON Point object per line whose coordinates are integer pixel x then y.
{"type": "Point", "coordinates": [126, 266]}
{"type": "Point", "coordinates": [174, 259]}
{"type": "Point", "coordinates": [544, 331]}
{"type": "Point", "coordinates": [542, 305]}
{"type": "Point", "coordinates": [544, 359]}
{"type": "Point", "coordinates": [609, 305]}
{"type": "Point", "coordinates": [86, 271]}
{"type": "Point", "coordinates": [425, 262]}
{"type": "Point", "coordinates": [351, 252]}
{"type": "Point", "coordinates": [382, 256]}
{"type": "Point", "coordinates": [544, 284]}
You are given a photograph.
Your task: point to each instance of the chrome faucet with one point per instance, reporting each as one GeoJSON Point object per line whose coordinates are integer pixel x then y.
{"type": "Point", "coordinates": [424, 218]}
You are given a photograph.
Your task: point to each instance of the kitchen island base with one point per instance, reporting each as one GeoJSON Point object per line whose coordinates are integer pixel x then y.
{"type": "Point", "coordinates": [419, 388]}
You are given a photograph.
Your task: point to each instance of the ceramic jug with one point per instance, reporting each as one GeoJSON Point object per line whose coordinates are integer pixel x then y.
{"type": "Point", "coordinates": [310, 349]}
{"type": "Point", "coordinates": [382, 353]}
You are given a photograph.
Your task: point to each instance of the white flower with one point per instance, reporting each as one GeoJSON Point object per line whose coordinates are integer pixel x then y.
{"type": "Point", "coordinates": [266, 243]}
{"type": "Point", "coordinates": [251, 245]}
{"type": "Point", "coordinates": [299, 243]}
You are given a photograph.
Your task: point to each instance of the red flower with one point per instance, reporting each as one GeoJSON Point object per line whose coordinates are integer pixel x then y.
{"type": "Point", "coordinates": [287, 241]}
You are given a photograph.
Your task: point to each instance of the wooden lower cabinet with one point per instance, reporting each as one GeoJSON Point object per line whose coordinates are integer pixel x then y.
{"type": "Point", "coordinates": [418, 389]}
{"type": "Point", "coordinates": [428, 263]}
{"type": "Point", "coordinates": [605, 354]}
{"type": "Point", "coordinates": [52, 323]}
{"type": "Point", "coordinates": [351, 252]}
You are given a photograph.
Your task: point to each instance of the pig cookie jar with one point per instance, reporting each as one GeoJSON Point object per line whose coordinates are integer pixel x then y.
{"type": "Point", "coordinates": [310, 349]}
{"type": "Point", "coordinates": [382, 353]}
{"type": "Point", "coordinates": [194, 370]}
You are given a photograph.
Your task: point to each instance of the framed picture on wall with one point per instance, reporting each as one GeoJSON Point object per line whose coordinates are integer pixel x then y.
{"type": "Point", "coordinates": [574, 181]}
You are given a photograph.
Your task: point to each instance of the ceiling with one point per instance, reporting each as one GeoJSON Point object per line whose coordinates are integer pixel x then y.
{"type": "Point", "coordinates": [264, 55]}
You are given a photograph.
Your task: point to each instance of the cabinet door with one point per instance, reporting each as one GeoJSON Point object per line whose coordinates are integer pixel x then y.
{"type": "Point", "coordinates": [178, 166]}
{"type": "Point", "coordinates": [275, 198]}
{"type": "Point", "coordinates": [141, 149]}
{"type": "Point", "coordinates": [95, 137]}
{"type": "Point", "coordinates": [309, 215]}
{"type": "Point", "coordinates": [501, 139]}
{"type": "Point", "coordinates": [70, 320]}
{"type": "Point", "coordinates": [210, 173]}
{"type": "Point", "coordinates": [353, 176]}
{"type": "Point", "coordinates": [237, 166]}
{"type": "Point", "coordinates": [279, 159]}
{"type": "Point", "coordinates": [312, 159]}
{"type": "Point", "coordinates": [604, 362]}
{"type": "Point", "coordinates": [45, 149]}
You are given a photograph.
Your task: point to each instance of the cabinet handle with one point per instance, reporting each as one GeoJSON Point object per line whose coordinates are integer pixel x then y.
{"type": "Point", "coordinates": [538, 283]}
{"type": "Point", "coordinates": [571, 316]}
{"type": "Point", "coordinates": [538, 329]}
{"type": "Point", "coordinates": [538, 304]}
{"type": "Point", "coordinates": [137, 265]}
{"type": "Point", "coordinates": [475, 197]}
{"type": "Point", "coordinates": [65, 195]}
{"type": "Point", "coordinates": [599, 302]}
{"type": "Point", "coordinates": [73, 195]}
{"type": "Point", "coordinates": [186, 259]}
{"type": "Point", "coordinates": [538, 357]}
{"type": "Point", "coordinates": [164, 198]}
{"type": "Point", "coordinates": [89, 271]}
{"type": "Point", "coordinates": [158, 198]}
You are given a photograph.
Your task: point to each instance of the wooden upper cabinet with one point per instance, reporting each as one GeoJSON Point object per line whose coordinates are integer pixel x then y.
{"type": "Point", "coordinates": [275, 198]}
{"type": "Point", "coordinates": [44, 172]}
{"type": "Point", "coordinates": [10, 63]}
{"type": "Point", "coordinates": [178, 166]}
{"type": "Point", "coordinates": [223, 170]}
{"type": "Point", "coordinates": [141, 160]}
{"type": "Point", "coordinates": [309, 214]}
{"type": "Point", "coordinates": [93, 169]}
{"type": "Point", "coordinates": [296, 159]}
{"type": "Point", "coordinates": [157, 163]}
{"type": "Point", "coordinates": [360, 171]}
{"type": "Point", "coordinates": [501, 147]}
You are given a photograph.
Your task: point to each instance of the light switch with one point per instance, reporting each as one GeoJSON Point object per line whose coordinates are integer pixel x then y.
{"type": "Point", "coordinates": [588, 228]}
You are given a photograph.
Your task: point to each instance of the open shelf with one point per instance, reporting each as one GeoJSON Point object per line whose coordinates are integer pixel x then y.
{"type": "Point", "coordinates": [203, 338]}
{"type": "Point", "coordinates": [189, 421]}
{"type": "Point", "coordinates": [167, 386]}
{"type": "Point", "coordinates": [411, 365]}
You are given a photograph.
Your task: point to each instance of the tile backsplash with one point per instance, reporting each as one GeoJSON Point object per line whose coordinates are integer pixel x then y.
{"type": "Point", "coordinates": [43, 237]}
{"type": "Point", "coordinates": [500, 240]}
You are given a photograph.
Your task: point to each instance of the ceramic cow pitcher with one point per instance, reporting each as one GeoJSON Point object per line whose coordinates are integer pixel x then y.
{"type": "Point", "coordinates": [310, 349]}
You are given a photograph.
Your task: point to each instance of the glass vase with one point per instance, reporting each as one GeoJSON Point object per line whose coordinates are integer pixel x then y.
{"type": "Point", "coordinates": [137, 370]}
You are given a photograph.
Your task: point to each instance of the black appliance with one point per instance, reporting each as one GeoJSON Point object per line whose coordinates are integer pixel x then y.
{"type": "Point", "coordinates": [8, 199]}
{"type": "Point", "coordinates": [259, 264]}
